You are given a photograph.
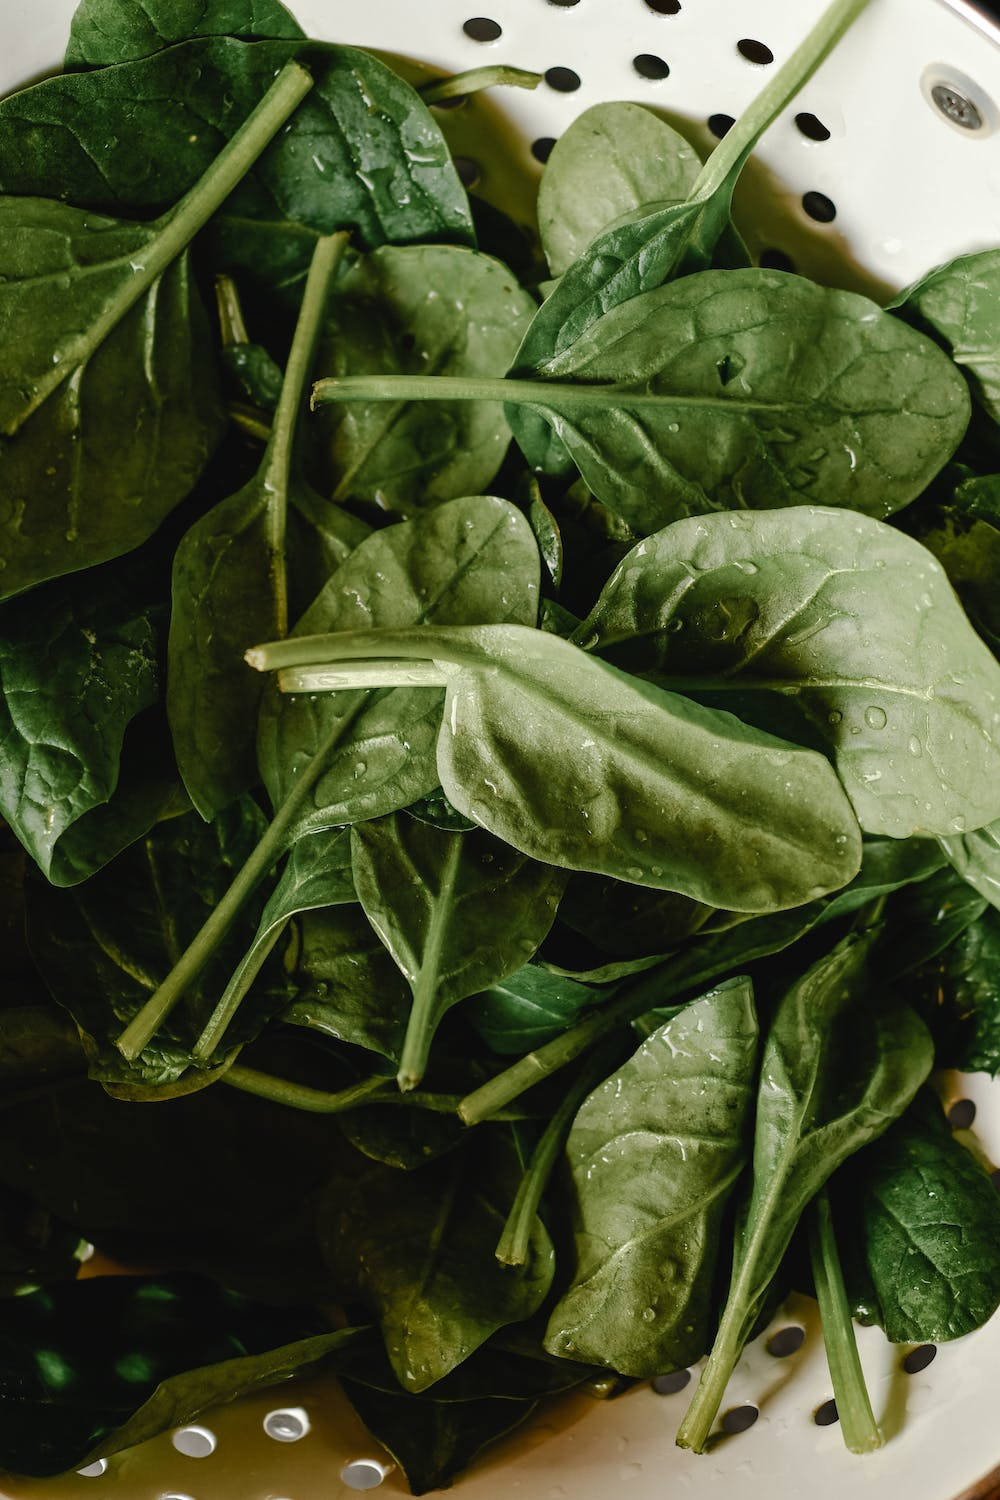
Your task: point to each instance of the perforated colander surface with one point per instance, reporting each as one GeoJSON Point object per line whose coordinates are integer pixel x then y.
{"type": "Point", "coordinates": [865, 182]}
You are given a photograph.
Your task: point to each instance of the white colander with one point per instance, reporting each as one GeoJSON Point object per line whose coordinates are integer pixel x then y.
{"type": "Point", "coordinates": [886, 164]}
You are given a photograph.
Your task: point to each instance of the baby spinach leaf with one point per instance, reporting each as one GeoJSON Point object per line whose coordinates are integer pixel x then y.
{"type": "Point", "coordinates": [420, 309]}
{"type": "Point", "coordinates": [851, 618]}
{"type": "Point", "coordinates": [103, 947]}
{"type": "Point", "coordinates": [654, 1154]}
{"type": "Point", "coordinates": [457, 911]}
{"type": "Point", "coordinates": [436, 810]}
{"type": "Point", "coordinates": [106, 1362]}
{"type": "Point", "coordinates": [958, 994]}
{"type": "Point", "coordinates": [115, 31]}
{"type": "Point", "coordinates": [317, 875]}
{"type": "Point", "coordinates": [976, 857]}
{"type": "Point", "coordinates": [591, 769]}
{"type": "Point", "coordinates": [431, 1440]}
{"type": "Point", "coordinates": [837, 1069]}
{"type": "Point", "coordinates": [967, 545]}
{"type": "Point", "coordinates": [419, 1247]}
{"type": "Point", "coordinates": [230, 588]}
{"type": "Point", "coordinates": [924, 919]}
{"type": "Point", "coordinates": [887, 865]}
{"type": "Point", "coordinates": [472, 559]}
{"type": "Point", "coordinates": [527, 1008]}
{"type": "Point", "coordinates": [753, 388]}
{"type": "Point", "coordinates": [111, 358]}
{"type": "Point", "coordinates": [614, 158]}
{"type": "Point", "coordinates": [401, 1138]}
{"type": "Point", "coordinates": [79, 662]}
{"type": "Point", "coordinates": [364, 154]}
{"type": "Point", "coordinates": [929, 1220]}
{"type": "Point", "coordinates": [348, 987]}
{"type": "Point", "coordinates": [958, 304]}
{"type": "Point", "coordinates": [653, 245]}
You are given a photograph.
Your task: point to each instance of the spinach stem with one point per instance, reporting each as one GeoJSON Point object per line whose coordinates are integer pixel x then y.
{"type": "Point", "coordinates": [299, 1095]}
{"type": "Point", "coordinates": [362, 674]}
{"type": "Point", "coordinates": [175, 229]}
{"type": "Point", "coordinates": [696, 1427]}
{"type": "Point", "coordinates": [515, 1241]}
{"type": "Point", "coordinates": [474, 80]}
{"type": "Point", "coordinates": [249, 420]}
{"type": "Point", "coordinates": [484, 1102]}
{"type": "Point", "coordinates": [277, 463]}
{"type": "Point", "coordinates": [219, 1021]}
{"type": "Point", "coordinates": [736, 145]}
{"type": "Point", "coordinates": [269, 850]}
{"type": "Point", "coordinates": [423, 1016]}
{"type": "Point", "coordinates": [857, 1420]}
{"type": "Point", "coordinates": [232, 327]}
{"type": "Point", "coordinates": [561, 393]}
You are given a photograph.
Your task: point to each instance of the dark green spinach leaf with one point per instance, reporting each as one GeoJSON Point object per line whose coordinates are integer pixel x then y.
{"type": "Point", "coordinates": [115, 31]}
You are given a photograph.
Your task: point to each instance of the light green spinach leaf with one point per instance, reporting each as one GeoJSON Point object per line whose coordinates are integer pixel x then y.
{"type": "Point", "coordinates": [959, 305]}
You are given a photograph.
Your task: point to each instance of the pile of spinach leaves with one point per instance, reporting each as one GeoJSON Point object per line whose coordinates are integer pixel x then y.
{"type": "Point", "coordinates": [530, 825]}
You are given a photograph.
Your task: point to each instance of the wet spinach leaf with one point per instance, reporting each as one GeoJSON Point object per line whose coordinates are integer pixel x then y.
{"type": "Point", "coordinates": [654, 1154]}
{"type": "Point", "coordinates": [457, 911]}
{"type": "Point", "coordinates": [419, 1248]}
{"type": "Point", "coordinates": [928, 1217]}
{"type": "Point", "coordinates": [821, 605]}
{"type": "Point", "coordinates": [959, 305]}
{"type": "Point", "coordinates": [527, 1008]}
{"type": "Point", "coordinates": [348, 987]}
{"type": "Point", "coordinates": [958, 994]}
{"type": "Point", "coordinates": [422, 309]}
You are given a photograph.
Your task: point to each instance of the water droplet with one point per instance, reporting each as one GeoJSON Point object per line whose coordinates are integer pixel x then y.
{"type": "Point", "coordinates": [745, 566]}
{"type": "Point", "coordinates": [634, 872]}
{"type": "Point", "coordinates": [649, 1315]}
{"type": "Point", "coordinates": [673, 427]}
{"type": "Point", "coordinates": [675, 624]}
{"type": "Point", "coordinates": [875, 717]}
{"type": "Point", "coordinates": [834, 716]}
{"type": "Point", "coordinates": [958, 823]}
{"type": "Point", "coordinates": [914, 746]}
{"type": "Point", "coordinates": [360, 767]}
{"type": "Point", "coordinates": [641, 835]}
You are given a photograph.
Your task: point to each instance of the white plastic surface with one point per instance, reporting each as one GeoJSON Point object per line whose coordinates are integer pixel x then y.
{"type": "Point", "coordinates": [910, 190]}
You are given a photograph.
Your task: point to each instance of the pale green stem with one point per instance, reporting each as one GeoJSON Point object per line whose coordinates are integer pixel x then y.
{"type": "Point", "coordinates": [562, 393]}
{"type": "Point", "coordinates": [366, 674]}
{"type": "Point", "coordinates": [249, 420]}
{"type": "Point", "coordinates": [514, 1245]}
{"type": "Point", "coordinates": [174, 230]}
{"type": "Point", "coordinates": [857, 1420]}
{"type": "Point", "coordinates": [144, 1026]}
{"type": "Point", "coordinates": [425, 1012]}
{"type": "Point", "coordinates": [232, 327]}
{"type": "Point", "coordinates": [782, 87]}
{"type": "Point", "coordinates": [298, 1095]}
{"type": "Point", "coordinates": [233, 995]}
{"type": "Point", "coordinates": [475, 80]}
{"type": "Point", "coordinates": [275, 470]}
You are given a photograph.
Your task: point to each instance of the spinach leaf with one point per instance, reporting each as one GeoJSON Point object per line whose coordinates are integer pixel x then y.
{"type": "Point", "coordinates": [614, 158]}
{"type": "Point", "coordinates": [958, 993]}
{"type": "Point", "coordinates": [230, 587]}
{"type": "Point", "coordinates": [473, 559]}
{"type": "Point", "coordinates": [457, 911]}
{"type": "Point", "coordinates": [401, 1138]}
{"type": "Point", "coordinates": [103, 947]}
{"type": "Point", "coordinates": [751, 388]}
{"type": "Point", "coordinates": [848, 616]}
{"type": "Point", "coordinates": [959, 305]}
{"type": "Point", "coordinates": [420, 309]}
{"type": "Point", "coordinates": [967, 545]}
{"type": "Point", "coordinates": [436, 810]}
{"type": "Point", "coordinates": [650, 247]}
{"type": "Point", "coordinates": [348, 987]}
{"type": "Point", "coordinates": [106, 1362]}
{"type": "Point", "coordinates": [655, 790]}
{"type": "Point", "coordinates": [111, 357]}
{"type": "Point", "coordinates": [363, 154]}
{"type": "Point", "coordinates": [419, 1247]}
{"type": "Point", "coordinates": [976, 857]}
{"type": "Point", "coordinates": [628, 921]}
{"type": "Point", "coordinates": [79, 662]}
{"type": "Point", "coordinates": [527, 1008]}
{"type": "Point", "coordinates": [887, 865]}
{"type": "Point", "coordinates": [115, 31]}
{"type": "Point", "coordinates": [924, 919]}
{"type": "Point", "coordinates": [317, 875]}
{"type": "Point", "coordinates": [837, 1069]}
{"type": "Point", "coordinates": [38, 1044]}
{"type": "Point", "coordinates": [431, 1440]}
{"type": "Point", "coordinates": [654, 1154]}
{"type": "Point", "coordinates": [929, 1221]}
